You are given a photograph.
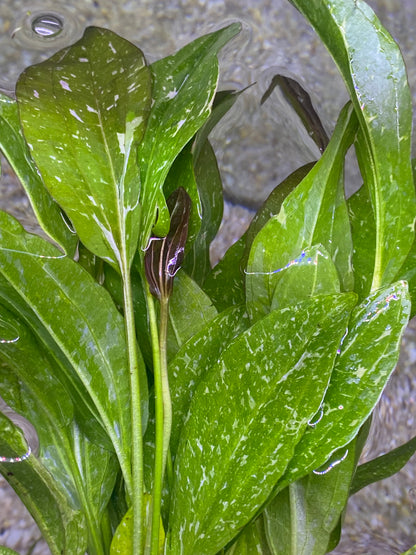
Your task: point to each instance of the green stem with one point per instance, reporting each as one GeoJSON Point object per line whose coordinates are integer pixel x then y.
{"type": "Point", "coordinates": [163, 411]}
{"type": "Point", "coordinates": [136, 417]}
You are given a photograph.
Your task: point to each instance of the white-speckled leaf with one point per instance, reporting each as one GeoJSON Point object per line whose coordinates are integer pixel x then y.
{"type": "Point", "coordinates": [184, 86]}
{"type": "Point", "coordinates": [372, 66]}
{"type": "Point", "coordinates": [369, 354]}
{"type": "Point", "coordinates": [15, 149]}
{"type": "Point", "coordinates": [315, 212]}
{"type": "Point", "coordinates": [195, 358]}
{"type": "Point", "coordinates": [77, 321]}
{"type": "Point", "coordinates": [246, 417]}
{"type": "Point", "coordinates": [83, 112]}
{"type": "Point", "coordinates": [62, 526]}
{"type": "Point", "coordinates": [312, 274]}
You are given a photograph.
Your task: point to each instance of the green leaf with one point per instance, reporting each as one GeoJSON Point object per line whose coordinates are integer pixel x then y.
{"type": "Point", "coordinates": [235, 445]}
{"type": "Point", "coordinates": [190, 309]}
{"type": "Point", "coordinates": [15, 149]}
{"type": "Point", "coordinates": [301, 518]}
{"type": "Point", "coordinates": [181, 174]}
{"type": "Point", "coordinates": [273, 203]}
{"type": "Point", "coordinates": [7, 551]}
{"type": "Point", "coordinates": [184, 86]}
{"type": "Point", "coordinates": [195, 358]}
{"type": "Point", "coordinates": [83, 112]}
{"type": "Point", "coordinates": [363, 231]}
{"type": "Point", "coordinates": [61, 525]}
{"type": "Point", "coordinates": [315, 212]}
{"type": "Point", "coordinates": [208, 180]}
{"type": "Point", "coordinates": [76, 320]}
{"type": "Point", "coordinates": [88, 478]}
{"type": "Point", "coordinates": [301, 102]}
{"type": "Point", "coordinates": [312, 274]}
{"type": "Point", "coordinates": [376, 80]}
{"type": "Point", "coordinates": [225, 283]}
{"type": "Point", "coordinates": [383, 467]}
{"type": "Point", "coordinates": [251, 540]}
{"type": "Point", "coordinates": [358, 378]}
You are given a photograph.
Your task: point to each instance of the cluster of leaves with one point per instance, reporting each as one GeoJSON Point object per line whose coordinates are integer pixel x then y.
{"type": "Point", "coordinates": [247, 391]}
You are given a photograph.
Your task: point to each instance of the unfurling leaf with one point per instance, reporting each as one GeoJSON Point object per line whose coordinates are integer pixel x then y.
{"type": "Point", "coordinates": [164, 256]}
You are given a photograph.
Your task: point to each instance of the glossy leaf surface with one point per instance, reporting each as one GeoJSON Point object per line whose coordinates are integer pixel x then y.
{"type": "Point", "coordinates": [251, 541]}
{"type": "Point", "coordinates": [246, 417]}
{"type": "Point", "coordinates": [301, 102]}
{"type": "Point", "coordinates": [184, 86]}
{"type": "Point", "coordinates": [75, 317]}
{"type": "Point", "coordinates": [208, 180]}
{"type": "Point", "coordinates": [301, 518]}
{"type": "Point", "coordinates": [376, 80]}
{"type": "Point", "coordinates": [190, 310]}
{"type": "Point", "coordinates": [61, 525]}
{"type": "Point", "coordinates": [315, 212]}
{"type": "Point", "coordinates": [312, 274]}
{"type": "Point", "coordinates": [358, 378]}
{"type": "Point", "coordinates": [15, 149]}
{"type": "Point", "coordinates": [195, 358]}
{"type": "Point", "coordinates": [83, 111]}
{"type": "Point", "coordinates": [384, 466]}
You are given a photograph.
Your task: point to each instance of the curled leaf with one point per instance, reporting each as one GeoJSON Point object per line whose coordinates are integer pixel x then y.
{"type": "Point", "coordinates": [164, 255]}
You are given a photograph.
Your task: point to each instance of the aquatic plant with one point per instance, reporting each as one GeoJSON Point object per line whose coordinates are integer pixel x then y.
{"type": "Point", "coordinates": [184, 409]}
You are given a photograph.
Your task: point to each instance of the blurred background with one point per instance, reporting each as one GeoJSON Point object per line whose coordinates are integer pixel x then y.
{"type": "Point", "coordinates": [257, 147]}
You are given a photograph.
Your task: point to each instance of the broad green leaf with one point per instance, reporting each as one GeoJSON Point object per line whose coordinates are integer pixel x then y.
{"type": "Point", "coordinates": [7, 551]}
{"type": "Point", "coordinates": [84, 472]}
{"type": "Point", "coordinates": [195, 358]}
{"type": "Point", "coordinates": [225, 282]}
{"type": "Point", "coordinates": [15, 149]}
{"type": "Point", "coordinates": [312, 274]}
{"type": "Point", "coordinates": [301, 518]}
{"type": "Point", "coordinates": [383, 467]}
{"type": "Point", "coordinates": [271, 206]}
{"type": "Point", "coordinates": [75, 317]}
{"type": "Point", "coordinates": [376, 80]}
{"type": "Point", "coordinates": [190, 309]}
{"type": "Point", "coordinates": [251, 541]}
{"type": "Point", "coordinates": [315, 212]}
{"type": "Point", "coordinates": [61, 526]}
{"type": "Point", "coordinates": [184, 86]}
{"type": "Point", "coordinates": [208, 180]}
{"type": "Point", "coordinates": [22, 353]}
{"type": "Point", "coordinates": [83, 112]}
{"type": "Point", "coordinates": [235, 446]}
{"type": "Point", "coordinates": [358, 378]}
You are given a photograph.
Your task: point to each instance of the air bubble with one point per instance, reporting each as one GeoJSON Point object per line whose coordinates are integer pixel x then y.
{"type": "Point", "coordinates": [41, 30]}
{"type": "Point", "coordinates": [311, 423]}
{"type": "Point", "coordinates": [47, 26]}
{"type": "Point", "coordinates": [331, 466]}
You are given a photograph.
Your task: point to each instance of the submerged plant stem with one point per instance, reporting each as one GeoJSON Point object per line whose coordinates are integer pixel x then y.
{"type": "Point", "coordinates": [136, 417]}
{"type": "Point", "coordinates": [163, 411]}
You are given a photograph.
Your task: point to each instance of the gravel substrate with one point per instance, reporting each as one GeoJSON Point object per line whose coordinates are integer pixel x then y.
{"type": "Point", "coordinates": [258, 149]}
